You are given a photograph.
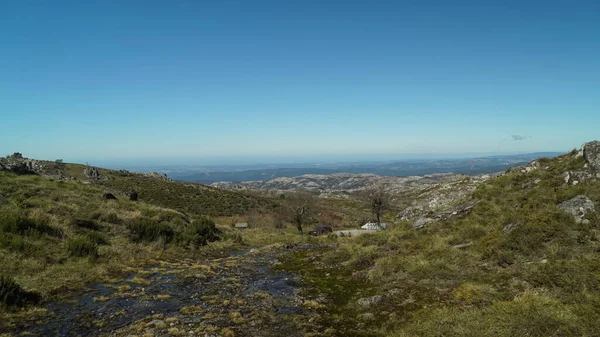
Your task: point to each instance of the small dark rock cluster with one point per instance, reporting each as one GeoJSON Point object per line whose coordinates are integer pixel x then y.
{"type": "Point", "coordinates": [109, 196]}
{"type": "Point", "coordinates": [132, 195]}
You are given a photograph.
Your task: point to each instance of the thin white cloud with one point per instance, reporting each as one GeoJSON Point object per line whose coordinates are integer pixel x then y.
{"type": "Point", "coordinates": [518, 138]}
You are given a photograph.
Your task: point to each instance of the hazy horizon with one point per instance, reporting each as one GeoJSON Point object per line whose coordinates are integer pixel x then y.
{"type": "Point", "coordinates": [312, 161]}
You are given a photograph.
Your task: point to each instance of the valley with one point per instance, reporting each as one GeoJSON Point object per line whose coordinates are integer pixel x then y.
{"type": "Point", "coordinates": [486, 255]}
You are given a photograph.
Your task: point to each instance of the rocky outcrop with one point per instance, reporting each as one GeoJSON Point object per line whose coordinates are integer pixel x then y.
{"type": "Point", "coordinates": [591, 154]}
{"type": "Point", "coordinates": [460, 210]}
{"type": "Point", "coordinates": [438, 199]}
{"type": "Point", "coordinates": [92, 173]}
{"type": "Point", "coordinates": [17, 164]}
{"type": "Point", "coordinates": [578, 207]}
{"type": "Point", "coordinates": [342, 183]}
{"type": "Point", "coordinates": [158, 176]}
{"type": "Point", "coordinates": [591, 170]}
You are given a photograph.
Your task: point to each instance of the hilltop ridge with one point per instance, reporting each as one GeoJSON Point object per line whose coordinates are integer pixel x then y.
{"type": "Point", "coordinates": [151, 187]}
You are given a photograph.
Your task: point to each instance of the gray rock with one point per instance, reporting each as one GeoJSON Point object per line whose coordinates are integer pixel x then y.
{"type": "Point", "coordinates": [578, 207]}
{"type": "Point", "coordinates": [366, 317]}
{"type": "Point", "coordinates": [463, 245]}
{"type": "Point", "coordinates": [591, 154]}
{"type": "Point", "coordinates": [91, 173]}
{"type": "Point", "coordinates": [369, 301]}
{"type": "Point", "coordinates": [510, 227]}
{"type": "Point", "coordinates": [421, 222]}
{"type": "Point", "coordinates": [157, 323]}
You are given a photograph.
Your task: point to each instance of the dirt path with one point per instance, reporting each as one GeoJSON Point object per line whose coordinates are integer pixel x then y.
{"type": "Point", "coordinates": [241, 295]}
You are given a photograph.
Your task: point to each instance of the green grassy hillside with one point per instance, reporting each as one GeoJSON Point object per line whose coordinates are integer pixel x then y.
{"type": "Point", "coordinates": [188, 197]}
{"type": "Point", "coordinates": [473, 276]}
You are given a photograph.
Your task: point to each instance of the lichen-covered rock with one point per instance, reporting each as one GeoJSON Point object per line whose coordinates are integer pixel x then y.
{"type": "Point", "coordinates": [369, 301]}
{"type": "Point", "coordinates": [421, 222]}
{"type": "Point", "coordinates": [511, 227]}
{"type": "Point", "coordinates": [92, 173]}
{"type": "Point", "coordinates": [578, 207]}
{"type": "Point", "coordinates": [591, 154]}
{"type": "Point", "coordinates": [459, 210]}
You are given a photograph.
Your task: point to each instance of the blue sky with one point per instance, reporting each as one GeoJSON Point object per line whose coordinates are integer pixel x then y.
{"type": "Point", "coordinates": [255, 80]}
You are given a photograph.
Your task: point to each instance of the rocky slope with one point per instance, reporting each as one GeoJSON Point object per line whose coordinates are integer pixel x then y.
{"type": "Point", "coordinates": [347, 183]}
{"type": "Point", "coordinates": [445, 201]}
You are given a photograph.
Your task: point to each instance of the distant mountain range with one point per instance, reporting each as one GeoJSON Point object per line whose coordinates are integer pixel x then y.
{"type": "Point", "coordinates": [470, 166]}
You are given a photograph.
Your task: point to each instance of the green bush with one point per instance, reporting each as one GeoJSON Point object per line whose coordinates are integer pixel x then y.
{"type": "Point", "coordinates": [12, 242]}
{"type": "Point", "coordinates": [147, 230]}
{"type": "Point", "coordinates": [98, 238]}
{"type": "Point", "coordinates": [82, 246]}
{"type": "Point", "coordinates": [199, 233]}
{"type": "Point", "coordinates": [111, 217]}
{"type": "Point", "coordinates": [84, 223]}
{"type": "Point", "coordinates": [18, 224]}
{"type": "Point", "coordinates": [12, 295]}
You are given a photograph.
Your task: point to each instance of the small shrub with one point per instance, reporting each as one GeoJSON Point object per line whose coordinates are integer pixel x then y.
{"type": "Point", "coordinates": [148, 230]}
{"type": "Point", "coordinates": [18, 224]}
{"type": "Point", "coordinates": [234, 236]}
{"type": "Point", "coordinates": [199, 233]}
{"type": "Point", "coordinates": [98, 238]}
{"type": "Point", "coordinates": [111, 217]}
{"type": "Point", "coordinates": [14, 243]}
{"type": "Point", "coordinates": [12, 295]}
{"type": "Point", "coordinates": [88, 224]}
{"type": "Point", "coordinates": [82, 246]}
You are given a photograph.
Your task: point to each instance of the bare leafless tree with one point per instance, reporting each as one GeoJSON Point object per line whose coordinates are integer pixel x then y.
{"type": "Point", "coordinates": [378, 200]}
{"type": "Point", "coordinates": [301, 206]}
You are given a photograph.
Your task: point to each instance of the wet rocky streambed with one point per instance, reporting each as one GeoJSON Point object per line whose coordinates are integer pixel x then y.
{"type": "Point", "coordinates": [240, 295]}
{"type": "Point", "coordinates": [273, 291]}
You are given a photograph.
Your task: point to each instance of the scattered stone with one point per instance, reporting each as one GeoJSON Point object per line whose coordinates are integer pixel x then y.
{"type": "Point", "coordinates": [421, 222]}
{"type": "Point", "coordinates": [409, 300]}
{"type": "Point", "coordinates": [157, 323]}
{"type": "Point", "coordinates": [578, 207]}
{"type": "Point", "coordinates": [366, 317]}
{"type": "Point", "coordinates": [511, 227]}
{"type": "Point", "coordinates": [463, 245]}
{"type": "Point", "coordinates": [132, 195]}
{"type": "Point", "coordinates": [369, 301]}
{"type": "Point", "coordinates": [109, 196]}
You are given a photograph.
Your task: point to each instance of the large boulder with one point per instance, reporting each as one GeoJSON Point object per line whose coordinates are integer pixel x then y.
{"type": "Point", "coordinates": [132, 195]}
{"type": "Point", "coordinates": [18, 167]}
{"type": "Point", "coordinates": [591, 154]}
{"type": "Point", "coordinates": [91, 173]}
{"type": "Point", "coordinates": [578, 207]}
